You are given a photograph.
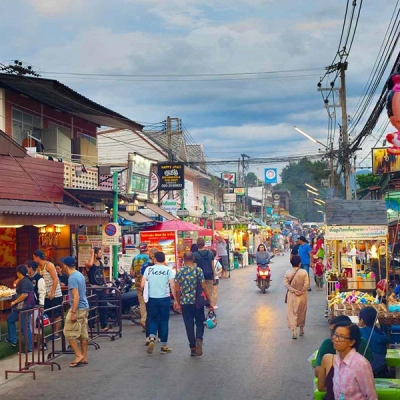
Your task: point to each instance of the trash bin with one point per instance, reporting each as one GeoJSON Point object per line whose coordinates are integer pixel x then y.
{"type": "Point", "coordinates": [236, 262]}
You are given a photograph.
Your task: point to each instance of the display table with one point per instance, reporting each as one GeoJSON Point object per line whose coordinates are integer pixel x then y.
{"type": "Point", "coordinates": [386, 389]}
{"type": "Point", "coordinates": [4, 305]}
{"type": "Point", "coordinates": [393, 357]}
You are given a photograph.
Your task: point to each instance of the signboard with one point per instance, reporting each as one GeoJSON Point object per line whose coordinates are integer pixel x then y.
{"type": "Point", "coordinates": [111, 233]}
{"type": "Point", "coordinates": [171, 176]}
{"type": "Point", "coordinates": [229, 197]}
{"type": "Point", "coordinates": [356, 232]}
{"type": "Point", "coordinates": [384, 162]}
{"type": "Point", "coordinates": [270, 175]}
{"type": "Point", "coordinates": [170, 206]}
{"type": "Point", "coordinates": [154, 181]}
{"type": "Point", "coordinates": [164, 241]}
{"type": "Point", "coordinates": [139, 170]}
{"type": "Point", "coordinates": [229, 176]}
{"type": "Point", "coordinates": [125, 262]}
{"type": "Point", "coordinates": [239, 191]}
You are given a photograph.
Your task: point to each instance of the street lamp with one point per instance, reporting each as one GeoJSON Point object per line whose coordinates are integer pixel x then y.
{"type": "Point", "coordinates": [226, 219]}
{"type": "Point", "coordinates": [205, 214]}
{"type": "Point", "coordinates": [182, 212]}
{"type": "Point", "coordinates": [132, 207]}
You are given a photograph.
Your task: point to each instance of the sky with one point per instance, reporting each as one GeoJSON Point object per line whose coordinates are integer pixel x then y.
{"type": "Point", "coordinates": [162, 58]}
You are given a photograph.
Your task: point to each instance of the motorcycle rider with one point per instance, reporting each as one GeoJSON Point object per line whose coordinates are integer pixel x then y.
{"type": "Point", "coordinates": [262, 256]}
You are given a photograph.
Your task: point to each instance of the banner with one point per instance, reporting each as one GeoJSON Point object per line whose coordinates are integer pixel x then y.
{"type": "Point", "coordinates": [270, 175]}
{"type": "Point", "coordinates": [172, 176]}
{"type": "Point", "coordinates": [355, 232]}
{"type": "Point", "coordinates": [164, 241]}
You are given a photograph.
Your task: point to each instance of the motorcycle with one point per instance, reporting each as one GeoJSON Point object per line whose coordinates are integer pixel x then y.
{"type": "Point", "coordinates": [264, 275]}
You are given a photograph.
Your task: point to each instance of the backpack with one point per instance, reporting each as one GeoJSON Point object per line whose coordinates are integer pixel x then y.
{"type": "Point", "coordinates": [205, 263]}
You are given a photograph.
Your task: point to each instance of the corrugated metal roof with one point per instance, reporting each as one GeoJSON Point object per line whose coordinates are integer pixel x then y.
{"type": "Point", "coordinates": [28, 208]}
{"type": "Point", "coordinates": [355, 212]}
{"type": "Point", "coordinates": [61, 97]}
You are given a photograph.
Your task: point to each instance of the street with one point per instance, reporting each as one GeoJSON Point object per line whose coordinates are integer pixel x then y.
{"type": "Point", "coordinates": [249, 355]}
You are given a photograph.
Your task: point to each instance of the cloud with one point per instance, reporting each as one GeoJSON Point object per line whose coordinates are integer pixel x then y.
{"type": "Point", "coordinates": [51, 8]}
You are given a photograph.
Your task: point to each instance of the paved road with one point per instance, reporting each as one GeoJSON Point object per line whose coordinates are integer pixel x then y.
{"type": "Point", "coordinates": [250, 355]}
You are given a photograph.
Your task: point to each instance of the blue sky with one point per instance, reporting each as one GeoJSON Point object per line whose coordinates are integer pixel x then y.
{"type": "Point", "coordinates": [185, 37]}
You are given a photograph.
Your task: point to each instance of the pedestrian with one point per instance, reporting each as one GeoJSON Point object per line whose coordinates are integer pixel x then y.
{"type": "Point", "coordinates": [62, 276]}
{"type": "Point", "coordinates": [306, 257]}
{"type": "Point", "coordinates": [39, 288]}
{"type": "Point", "coordinates": [76, 321]}
{"type": "Point", "coordinates": [377, 341]}
{"type": "Point", "coordinates": [374, 260]}
{"type": "Point", "coordinates": [160, 279]}
{"type": "Point", "coordinates": [53, 299]}
{"type": "Point", "coordinates": [382, 260]}
{"type": "Point", "coordinates": [222, 252]}
{"type": "Point", "coordinates": [319, 274]}
{"type": "Point", "coordinates": [295, 249]}
{"type": "Point", "coordinates": [218, 271]}
{"type": "Point", "coordinates": [24, 300]}
{"type": "Point", "coordinates": [136, 268]}
{"type": "Point", "coordinates": [203, 258]}
{"type": "Point", "coordinates": [353, 377]}
{"type": "Point", "coordinates": [187, 281]}
{"type": "Point", "coordinates": [95, 273]}
{"type": "Point", "coordinates": [326, 346]}
{"type": "Point", "coordinates": [296, 282]}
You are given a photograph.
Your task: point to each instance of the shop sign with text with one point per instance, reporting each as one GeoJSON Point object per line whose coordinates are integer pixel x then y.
{"type": "Point", "coordinates": [356, 232]}
{"type": "Point", "coordinates": [171, 176]}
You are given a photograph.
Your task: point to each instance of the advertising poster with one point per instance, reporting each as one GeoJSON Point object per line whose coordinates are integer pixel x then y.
{"type": "Point", "coordinates": [172, 176]}
{"type": "Point", "coordinates": [384, 162]}
{"type": "Point", "coordinates": [164, 241]}
{"type": "Point", "coordinates": [139, 171]}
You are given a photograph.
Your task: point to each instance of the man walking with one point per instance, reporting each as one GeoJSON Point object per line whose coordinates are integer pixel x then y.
{"type": "Point", "coordinates": [136, 268]}
{"type": "Point", "coordinates": [222, 252]}
{"type": "Point", "coordinates": [305, 253]}
{"type": "Point", "coordinates": [187, 280]}
{"type": "Point", "coordinates": [76, 321]}
{"type": "Point", "coordinates": [159, 278]}
{"type": "Point", "coordinates": [203, 258]}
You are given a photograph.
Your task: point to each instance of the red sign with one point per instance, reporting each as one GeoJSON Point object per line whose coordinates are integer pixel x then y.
{"type": "Point", "coordinates": [164, 241]}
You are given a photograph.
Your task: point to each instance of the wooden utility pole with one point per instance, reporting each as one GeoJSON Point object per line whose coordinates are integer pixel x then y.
{"type": "Point", "coordinates": [345, 138]}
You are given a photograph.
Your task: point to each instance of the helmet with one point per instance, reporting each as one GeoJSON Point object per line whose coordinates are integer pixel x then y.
{"type": "Point", "coordinates": [211, 321]}
{"type": "Point", "coordinates": [142, 246]}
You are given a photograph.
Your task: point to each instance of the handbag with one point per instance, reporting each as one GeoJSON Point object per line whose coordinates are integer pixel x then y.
{"type": "Point", "coordinates": [287, 291]}
{"type": "Point", "coordinates": [42, 320]}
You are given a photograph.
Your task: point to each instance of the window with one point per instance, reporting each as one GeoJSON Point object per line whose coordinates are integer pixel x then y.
{"type": "Point", "coordinates": [24, 124]}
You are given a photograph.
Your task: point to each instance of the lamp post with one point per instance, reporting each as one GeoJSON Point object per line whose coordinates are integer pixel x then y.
{"type": "Point", "coordinates": [205, 214]}
{"type": "Point", "coordinates": [226, 219]}
{"type": "Point", "coordinates": [115, 220]}
{"type": "Point", "coordinates": [182, 212]}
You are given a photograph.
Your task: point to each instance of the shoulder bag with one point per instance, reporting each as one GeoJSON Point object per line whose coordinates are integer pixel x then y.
{"type": "Point", "coordinates": [290, 282]}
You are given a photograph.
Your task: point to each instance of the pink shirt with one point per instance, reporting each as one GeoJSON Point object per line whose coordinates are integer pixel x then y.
{"type": "Point", "coordinates": [354, 378]}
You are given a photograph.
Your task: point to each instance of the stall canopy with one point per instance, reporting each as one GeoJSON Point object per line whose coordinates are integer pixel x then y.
{"type": "Point", "coordinates": [160, 211]}
{"type": "Point", "coordinates": [176, 225]}
{"type": "Point", "coordinates": [17, 212]}
{"type": "Point", "coordinates": [137, 218]}
{"type": "Point", "coordinates": [355, 219]}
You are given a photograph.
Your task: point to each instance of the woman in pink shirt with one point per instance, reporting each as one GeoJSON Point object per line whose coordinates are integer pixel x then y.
{"type": "Point", "coordinates": [353, 377]}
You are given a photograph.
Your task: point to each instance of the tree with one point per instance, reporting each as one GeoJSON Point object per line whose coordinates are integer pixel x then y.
{"type": "Point", "coordinates": [293, 178]}
{"type": "Point", "coordinates": [251, 180]}
{"type": "Point", "coordinates": [366, 180]}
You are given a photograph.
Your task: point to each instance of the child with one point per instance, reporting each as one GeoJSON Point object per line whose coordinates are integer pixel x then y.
{"type": "Point", "coordinates": [318, 273]}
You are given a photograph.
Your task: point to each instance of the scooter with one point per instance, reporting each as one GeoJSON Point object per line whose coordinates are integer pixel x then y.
{"type": "Point", "coordinates": [264, 275]}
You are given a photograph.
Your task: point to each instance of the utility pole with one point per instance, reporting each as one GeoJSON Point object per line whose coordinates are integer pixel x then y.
{"type": "Point", "coordinates": [244, 168]}
{"type": "Point", "coordinates": [342, 68]}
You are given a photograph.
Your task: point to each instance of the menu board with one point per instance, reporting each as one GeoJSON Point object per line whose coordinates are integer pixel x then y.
{"type": "Point", "coordinates": [164, 241]}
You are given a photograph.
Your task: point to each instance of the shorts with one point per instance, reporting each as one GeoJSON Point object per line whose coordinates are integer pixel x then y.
{"type": "Point", "coordinates": [50, 303]}
{"type": "Point", "coordinates": [79, 328]}
{"type": "Point", "coordinates": [224, 262]}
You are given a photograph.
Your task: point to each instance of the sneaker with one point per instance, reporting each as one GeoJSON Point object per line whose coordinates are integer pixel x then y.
{"type": "Point", "coordinates": [43, 347]}
{"type": "Point", "coordinates": [199, 347]}
{"type": "Point", "coordinates": [150, 347]}
{"type": "Point", "coordinates": [193, 352]}
{"type": "Point", "coordinates": [309, 289]}
{"type": "Point", "coordinates": [215, 307]}
{"type": "Point", "coordinates": [57, 337]}
{"type": "Point", "coordinates": [12, 343]}
{"type": "Point", "coordinates": [165, 349]}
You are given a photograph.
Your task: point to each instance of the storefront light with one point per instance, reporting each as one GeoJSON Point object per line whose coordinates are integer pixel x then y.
{"type": "Point", "coordinates": [11, 226]}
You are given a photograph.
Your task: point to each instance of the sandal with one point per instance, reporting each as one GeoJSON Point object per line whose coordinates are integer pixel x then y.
{"type": "Point", "coordinates": [106, 329]}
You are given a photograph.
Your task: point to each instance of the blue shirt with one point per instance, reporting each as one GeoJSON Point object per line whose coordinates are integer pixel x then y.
{"type": "Point", "coordinates": [396, 290]}
{"type": "Point", "coordinates": [304, 251]}
{"type": "Point", "coordinates": [77, 281]}
{"type": "Point", "coordinates": [158, 277]}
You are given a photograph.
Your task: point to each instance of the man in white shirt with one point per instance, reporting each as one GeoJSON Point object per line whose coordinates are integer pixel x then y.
{"type": "Point", "coordinates": [222, 252]}
{"type": "Point", "coordinates": [159, 278]}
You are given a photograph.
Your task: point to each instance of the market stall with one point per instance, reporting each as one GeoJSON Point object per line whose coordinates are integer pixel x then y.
{"type": "Point", "coordinates": [355, 244]}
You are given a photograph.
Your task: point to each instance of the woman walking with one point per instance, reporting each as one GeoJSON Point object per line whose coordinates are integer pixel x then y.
{"type": "Point", "coordinates": [296, 282]}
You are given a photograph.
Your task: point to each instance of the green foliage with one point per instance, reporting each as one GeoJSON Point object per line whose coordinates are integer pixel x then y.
{"type": "Point", "coordinates": [293, 178]}
{"type": "Point", "coordinates": [366, 180]}
{"type": "Point", "coordinates": [251, 180]}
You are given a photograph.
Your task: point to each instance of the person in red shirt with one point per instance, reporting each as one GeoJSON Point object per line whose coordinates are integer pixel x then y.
{"type": "Point", "coordinates": [319, 273]}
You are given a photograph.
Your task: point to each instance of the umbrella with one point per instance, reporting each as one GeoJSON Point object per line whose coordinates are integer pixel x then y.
{"type": "Point", "coordinates": [176, 225]}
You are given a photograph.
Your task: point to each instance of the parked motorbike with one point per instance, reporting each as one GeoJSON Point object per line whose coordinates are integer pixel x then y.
{"type": "Point", "coordinates": [264, 275]}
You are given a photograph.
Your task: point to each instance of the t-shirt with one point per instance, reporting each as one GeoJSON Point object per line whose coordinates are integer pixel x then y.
{"type": "Point", "coordinates": [222, 248]}
{"type": "Point", "coordinates": [77, 281]}
{"type": "Point", "coordinates": [304, 250]}
{"type": "Point", "coordinates": [319, 269]}
{"type": "Point", "coordinates": [327, 348]}
{"type": "Point", "coordinates": [187, 279]}
{"type": "Point", "coordinates": [198, 260]}
{"type": "Point", "coordinates": [158, 277]}
{"type": "Point", "coordinates": [396, 290]}
{"type": "Point", "coordinates": [96, 275]}
{"type": "Point", "coordinates": [63, 278]}
{"type": "Point", "coordinates": [24, 286]}
{"type": "Point", "coordinates": [137, 263]}
{"type": "Point", "coordinates": [295, 249]}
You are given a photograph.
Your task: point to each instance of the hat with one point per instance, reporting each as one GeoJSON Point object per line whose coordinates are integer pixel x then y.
{"type": "Point", "coordinates": [40, 254]}
{"type": "Point", "coordinates": [69, 261]}
{"type": "Point", "coordinates": [303, 239]}
{"type": "Point", "coordinates": [368, 315]}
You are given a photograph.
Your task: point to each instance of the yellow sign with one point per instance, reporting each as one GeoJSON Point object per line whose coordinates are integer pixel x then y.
{"type": "Point", "coordinates": [239, 191]}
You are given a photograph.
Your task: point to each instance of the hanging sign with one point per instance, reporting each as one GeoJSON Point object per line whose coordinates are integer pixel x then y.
{"type": "Point", "coordinates": [139, 169]}
{"type": "Point", "coordinates": [171, 176]}
{"type": "Point", "coordinates": [356, 232]}
{"type": "Point", "coordinates": [270, 175]}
